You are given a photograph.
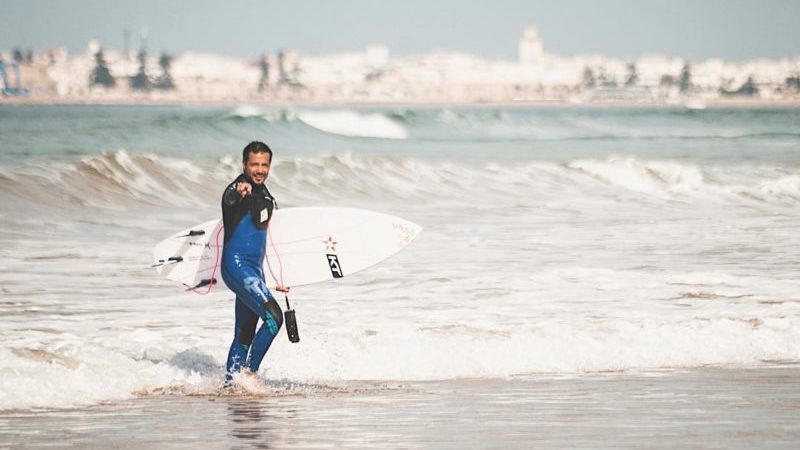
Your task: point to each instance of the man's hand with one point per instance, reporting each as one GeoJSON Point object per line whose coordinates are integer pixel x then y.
{"type": "Point", "coordinates": [244, 188]}
{"type": "Point", "coordinates": [280, 288]}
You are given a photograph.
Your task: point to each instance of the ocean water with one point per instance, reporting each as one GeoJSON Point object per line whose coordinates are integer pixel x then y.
{"type": "Point", "coordinates": [709, 408]}
{"type": "Point", "coordinates": [558, 243]}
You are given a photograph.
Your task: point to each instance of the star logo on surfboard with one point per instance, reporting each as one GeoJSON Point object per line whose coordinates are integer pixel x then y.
{"type": "Point", "coordinates": [330, 245]}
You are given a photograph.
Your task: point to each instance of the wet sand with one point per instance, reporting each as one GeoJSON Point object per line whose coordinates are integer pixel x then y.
{"type": "Point", "coordinates": [700, 408]}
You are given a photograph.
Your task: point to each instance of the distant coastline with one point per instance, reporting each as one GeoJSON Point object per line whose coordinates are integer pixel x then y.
{"type": "Point", "coordinates": [743, 102]}
{"type": "Point", "coordinates": [372, 77]}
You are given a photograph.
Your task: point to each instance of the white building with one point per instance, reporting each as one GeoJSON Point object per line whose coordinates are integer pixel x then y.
{"type": "Point", "coordinates": [440, 76]}
{"type": "Point", "coordinates": [531, 47]}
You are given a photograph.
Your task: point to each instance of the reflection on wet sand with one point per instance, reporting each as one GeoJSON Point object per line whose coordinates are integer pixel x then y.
{"type": "Point", "coordinates": [664, 409]}
{"type": "Point", "coordinates": [252, 422]}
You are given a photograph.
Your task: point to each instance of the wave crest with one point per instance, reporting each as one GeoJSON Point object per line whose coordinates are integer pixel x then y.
{"type": "Point", "coordinates": [353, 123]}
{"type": "Point", "coordinates": [657, 178]}
{"type": "Point", "coordinates": [118, 179]}
{"type": "Point", "coordinates": [110, 180]}
{"type": "Point", "coordinates": [342, 122]}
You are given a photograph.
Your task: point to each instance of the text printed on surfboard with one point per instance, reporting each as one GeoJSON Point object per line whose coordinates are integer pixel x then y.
{"type": "Point", "coordinates": [336, 268]}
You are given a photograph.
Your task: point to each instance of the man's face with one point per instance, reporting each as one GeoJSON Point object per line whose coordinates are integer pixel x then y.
{"type": "Point", "coordinates": [257, 166]}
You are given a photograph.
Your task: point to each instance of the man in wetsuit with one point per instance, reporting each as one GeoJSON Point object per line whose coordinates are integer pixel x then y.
{"type": "Point", "coordinates": [247, 207]}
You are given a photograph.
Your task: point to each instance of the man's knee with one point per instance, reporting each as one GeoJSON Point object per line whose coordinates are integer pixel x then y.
{"type": "Point", "coordinates": [246, 335]}
{"type": "Point", "coordinates": [274, 312]}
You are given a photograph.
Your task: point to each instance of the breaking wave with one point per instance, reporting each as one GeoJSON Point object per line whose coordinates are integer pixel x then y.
{"type": "Point", "coordinates": [352, 123]}
{"type": "Point", "coordinates": [117, 179]}
{"type": "Point", "coordinates": [343, 122]}
{"type": "Point", "coordinates": [510, 125]}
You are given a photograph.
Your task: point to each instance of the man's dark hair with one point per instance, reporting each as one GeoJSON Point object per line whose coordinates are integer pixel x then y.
{"type": "Point", "coordinates": [255, 147]}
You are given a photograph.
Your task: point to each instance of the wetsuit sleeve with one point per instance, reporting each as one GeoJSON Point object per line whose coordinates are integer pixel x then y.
{"type": "Point", "coordinates": [230, 197]}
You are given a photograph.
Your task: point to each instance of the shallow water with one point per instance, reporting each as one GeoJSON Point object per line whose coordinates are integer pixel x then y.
{"type": "Point", "coordinates": [702, 408]}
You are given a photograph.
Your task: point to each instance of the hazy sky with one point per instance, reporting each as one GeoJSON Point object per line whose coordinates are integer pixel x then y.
{"type": "Point", "coordinates": [732, 29]}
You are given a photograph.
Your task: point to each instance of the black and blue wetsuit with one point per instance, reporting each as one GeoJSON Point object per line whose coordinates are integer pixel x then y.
{"type": "Point", "coordinates": [246, 220]}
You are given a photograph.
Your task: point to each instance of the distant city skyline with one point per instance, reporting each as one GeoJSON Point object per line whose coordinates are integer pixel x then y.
{"type": "Point", "coordinates": [733, 30]}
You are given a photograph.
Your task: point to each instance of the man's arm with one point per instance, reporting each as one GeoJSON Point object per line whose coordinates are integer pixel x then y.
{"type": "Point", "coordinates": [236, 192]}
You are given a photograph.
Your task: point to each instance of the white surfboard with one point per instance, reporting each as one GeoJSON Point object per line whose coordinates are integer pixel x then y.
{"type": "Point", "coordinates": [304, 245]}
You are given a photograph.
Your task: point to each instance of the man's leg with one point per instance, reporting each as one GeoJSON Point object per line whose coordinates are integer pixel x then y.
{"type": "Point", "coordinates": [245, 328]}
{"type": "Point", "coordinates": [250, 288]}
